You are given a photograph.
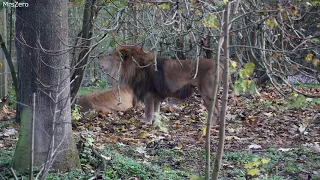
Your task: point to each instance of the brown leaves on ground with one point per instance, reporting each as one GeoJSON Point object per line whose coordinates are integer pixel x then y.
{"type": "Point", "coordinates": [252, 123]}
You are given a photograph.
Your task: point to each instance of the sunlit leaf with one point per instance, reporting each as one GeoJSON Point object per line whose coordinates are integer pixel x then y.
{"type": "Point", "coordinates": [249, 68]}
{"type": "Point", "coordinates": [232, 69]}
{"type": "Point", "coordinates": [315, 62]}
{"type": "Point", "coordinates": [237, 88]}
{"type": "Point", "coordinates": [249, 165]}
{"type": "Point", "coordinates": [272, 22]}
{"type": "Point", "coordinates": [211, 21]}
{"type": "Point", "coordinates": [253, 172]}
{"type": "Point", "coordinates": [225, 1]}
{"type": "Point", "coordinates": [265, 161]}
{"type": "Point", "coordinates": [253, 88]}
{"type": "Point", "coordinates": [204, 131]}
{"type": "Point", "coordinates": [245, 85]}
{"type": "Point", "coordinates": [308, 4]}
{"type": "Point", "coordinates": [234, 64]}
{"type": "Point", "coordinates": [194, 177]}
{"type": "Point", "coordinates": [256, 162]}
{"type": "Point", "coordinates": [243, 73]}
{"type": "Point", "coordinates": [164, 6]}
{"type": "Point", "coordinates": [309, 57]}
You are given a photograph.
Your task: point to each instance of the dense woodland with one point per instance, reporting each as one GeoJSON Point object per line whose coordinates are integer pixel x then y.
{"type": "Point", "coordinates": [116, 89]}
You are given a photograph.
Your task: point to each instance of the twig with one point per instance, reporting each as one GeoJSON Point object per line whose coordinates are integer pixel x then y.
{"type": "Point", "coordinates": [32, 136]}
{"type": "Point", "coordinates": [14, 173]}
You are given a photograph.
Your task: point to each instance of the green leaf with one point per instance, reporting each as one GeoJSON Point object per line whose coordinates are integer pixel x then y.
{"type": "Point", "coordinates": [211, 21]}
{"type": "Point", "coordinates": [249, 165]}
{"type": "Point", "coordinates": [243, 74]}
{"type": "Point", "coordinates": [245, 85]}
{"type": "Point", "coordinates": [194, 177]}
{"type": "Point", "coordinates": [249, 67]}
{"type": "Point", "coordinates": [265, 161]}
{"type": "Point", "coordinates": [237, 89]}
{"type": "Point", "coordinates": [232, 69]}
{"type": "Point", "coordinates": [253, 172]}
{"type": "Point", "coordinates": [253, 88]}
{"type": "Point", "coordinates": [164, 6]}
{"type": "Point", "coordinates": [272, 22]}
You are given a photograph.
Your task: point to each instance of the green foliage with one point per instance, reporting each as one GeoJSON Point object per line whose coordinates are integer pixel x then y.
{"type": "Point", "coordinates": [75, 112]}
{"type": "Point", "coordinates": [193, 177]}
{"type": "Point", "coordinates": [253, 167]}
{"type": "Point", "coordinates": [94, 86]}
{"type": "Point", "coordinates": [121, 167]}
{"type": "Point", "coordinates": [12, 98]}
{"type": "Point", "coordinates": [272, 22]}
{"type": "Point", "coordinates": [210, 20]}
{"type": "Point", "coordinates": [244, 84]}
{"type": "Point", "coordinates": [164, 6]}
{"type": "Point", "coordinates": [299, 100]}
{"type": "Point", "coordinates": [159, 122]}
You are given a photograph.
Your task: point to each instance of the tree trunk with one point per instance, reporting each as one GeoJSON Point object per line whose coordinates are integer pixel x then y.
{"type": "Point", "coordinates": [42, 61]}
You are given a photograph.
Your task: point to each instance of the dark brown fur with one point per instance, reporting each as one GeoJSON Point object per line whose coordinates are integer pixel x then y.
{"type": "Point", "coordinates": [172, 78]}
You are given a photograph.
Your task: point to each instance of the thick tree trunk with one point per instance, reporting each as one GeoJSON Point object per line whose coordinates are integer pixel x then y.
{"type": "Point", "coordinates": [42, 60]}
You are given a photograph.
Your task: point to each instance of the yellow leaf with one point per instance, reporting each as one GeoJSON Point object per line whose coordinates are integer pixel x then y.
{"type": "Point", "coordinates": [179, 146]}
{"type": "Point", "coordinates": [253, 172]}
{"type": "Point", "coordinates": [210, 20]}
{"type": "Point", "coordinates": [204, 131]}
{"type": "Point", "coordinates": [165, 6]}
{"type": "Point", "coordinates": [309, 57]}
{"type": "Point", "coordinates": [249, 67]}
{"type": "Point", "coordinates": [272, 22]}
{"type": "Point", "coordinates": [249, 165]}
{"type": "Point", "coordinates": [234, 64]}
{"type": "Point", "coordinates": [256, 163]}
{"type": "Point", "coordinates": [0, 64]}
{"type": "Point", "coordinates": [255, 159]}
{"type": "Point", "coordinates": [265, 160]}
{"type": "Point", "coordinates": [315, 62]}
{"type": "Point", "coordinates": [229, 138]}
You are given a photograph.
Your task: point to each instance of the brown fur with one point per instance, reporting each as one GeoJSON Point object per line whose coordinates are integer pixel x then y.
{"type": "Point", "coordinates": [172, 78]}
{"type": "Point", "coordinates": [108, 101]}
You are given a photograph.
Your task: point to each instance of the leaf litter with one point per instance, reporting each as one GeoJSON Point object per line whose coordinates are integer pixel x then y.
{"type": "Point", "coordinates": [252, 123]}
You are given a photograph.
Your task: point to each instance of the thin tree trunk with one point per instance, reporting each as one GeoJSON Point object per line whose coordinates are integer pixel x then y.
{"type": "Point", "coordinates": [217, 163]}
{"type": "Point", "coordinates": [81, 64]}
{"type": "Point", "coordinates": [42, 60]}
{"type": "Point", "coordinates": [7, 54]}
{"type": "Point", "coordinates": [211, 108]}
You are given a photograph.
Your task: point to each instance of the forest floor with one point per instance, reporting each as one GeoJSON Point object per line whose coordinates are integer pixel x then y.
{"type": "Point", "coordinates": [267, 137]}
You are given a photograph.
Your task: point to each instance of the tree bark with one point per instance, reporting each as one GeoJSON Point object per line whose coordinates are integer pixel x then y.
{"type": "Point", "coordinates": [43, 61]}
